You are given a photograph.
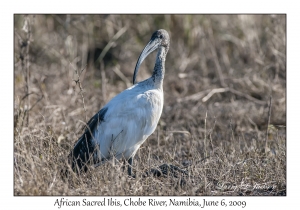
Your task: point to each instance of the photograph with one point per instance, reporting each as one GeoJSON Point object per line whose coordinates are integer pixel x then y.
{"type": "Point", "coordinates": [149, 105]}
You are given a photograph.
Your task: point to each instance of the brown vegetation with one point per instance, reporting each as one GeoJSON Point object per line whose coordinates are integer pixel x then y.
{"type": "Point", "coordinates": [217, 123]}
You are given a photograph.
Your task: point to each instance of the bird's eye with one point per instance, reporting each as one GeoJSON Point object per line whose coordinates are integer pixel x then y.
{"type": "Point", "coordinates": [161, 36]}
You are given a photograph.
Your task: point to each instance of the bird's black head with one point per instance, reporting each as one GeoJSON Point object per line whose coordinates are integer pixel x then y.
{"type": "Point", "coordinates": [159, 38]}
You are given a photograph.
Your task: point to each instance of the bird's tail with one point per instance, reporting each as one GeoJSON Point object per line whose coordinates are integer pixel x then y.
{"type": "Point", "coordinates": [74, 164]}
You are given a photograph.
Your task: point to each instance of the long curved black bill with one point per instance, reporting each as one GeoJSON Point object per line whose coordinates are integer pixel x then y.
{"type": "Point", "coordinates": [150, 47]}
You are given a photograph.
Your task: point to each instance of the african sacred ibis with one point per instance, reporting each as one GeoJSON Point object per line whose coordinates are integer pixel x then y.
{"type": "Point", "coordinates": [125, 122]}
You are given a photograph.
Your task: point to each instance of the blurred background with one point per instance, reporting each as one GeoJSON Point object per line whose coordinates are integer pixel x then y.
{"type": "Point", "coordinates": [225, 79]}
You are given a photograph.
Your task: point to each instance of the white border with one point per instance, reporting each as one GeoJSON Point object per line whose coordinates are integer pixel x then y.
{"type": "Point", "coordinates": [8, 201]}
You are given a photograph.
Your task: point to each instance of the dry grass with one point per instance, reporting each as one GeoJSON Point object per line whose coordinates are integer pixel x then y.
{"type": "Point", "coordinates": [220, 73]}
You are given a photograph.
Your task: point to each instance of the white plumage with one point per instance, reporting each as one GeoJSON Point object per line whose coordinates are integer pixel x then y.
{"type": "Point", "coordinates": [125, 122]}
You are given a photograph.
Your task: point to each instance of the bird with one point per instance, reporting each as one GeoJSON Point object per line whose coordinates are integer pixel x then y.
{"type": "Point", "coordinates": [127, 120]}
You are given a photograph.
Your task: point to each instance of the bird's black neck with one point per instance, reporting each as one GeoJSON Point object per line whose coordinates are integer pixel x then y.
{"type": "Point", "coordinates": [159, 68]}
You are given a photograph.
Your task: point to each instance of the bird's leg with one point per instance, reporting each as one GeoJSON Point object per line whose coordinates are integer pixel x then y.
{"type": "Point", "coordinates": [130, 162]}
{"type": "Point", "coordinates": [124, 165]}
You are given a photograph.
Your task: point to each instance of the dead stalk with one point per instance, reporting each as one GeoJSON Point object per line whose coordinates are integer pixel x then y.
{"type": "Point", "coordinates": [27, 62]}
{"type": "Point", "coordinates": [215, 58]}
{"type": "Point", "coordinates": [269, 118]}
{"type": "Point", "coordinates": [205, 149]}
{"type": "Point", "coordinates": [77, 81]}
{"type": "Point", "coordinates": [211, 92]}
{"type": "Point", "coordinates": [103, 79]}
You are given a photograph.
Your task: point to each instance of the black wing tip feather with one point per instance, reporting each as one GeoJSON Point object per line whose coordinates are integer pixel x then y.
{"type": "Point", "coordinates": [80, 156]}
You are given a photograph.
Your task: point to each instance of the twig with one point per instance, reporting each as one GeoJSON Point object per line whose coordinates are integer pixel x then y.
{"type": "Point", "coordinates": [269, 118]}
{"type": "Point", "coordinates": [28, 31]}
{"type": "Point", "coordinates": [212, 92]}
{"type": "Point", "coordinates": [232, 133]}
{"type": "Point", "coordinates": [178, 131]}
{"type": "Point", "coordinates": [194, 97]}
{"type": "Point", "coordinates": [25, 62]}
{"type": "Point", "coordinates": [236, 92]}
{"type": "Point", "coordinates": [205, 149]}
{"type": "Point", "coordinates": [122, 76]}
{"type": "Point", "coordinates": [247, 96]}
{"type": "Point", "coordinates": [54, 179]}
{"type": "Point", "coordinates": [77, 81]}
{"type": "Point", "coordinates": [27, 95]}
{"type": "Point", "coordinates": [212, 146]}
{"type": "Point", "coordinates": [110, 43]}
{"type": "Point", "coordinates": [24, 56]}
{"type": "Point", "coordinates": [215, 58]}
{"type": "Point", "coordinates": [157, 136]}
{"type": "Point", "coordinates": [103, 81]}
{"type": "Point", "coordinates": [18, 171]}
{"type": "Point", "coordinates": [36, 102]}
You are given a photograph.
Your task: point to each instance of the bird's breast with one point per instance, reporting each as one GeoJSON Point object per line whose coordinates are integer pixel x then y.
{"type": "Point", "coordinates": [131, 117]}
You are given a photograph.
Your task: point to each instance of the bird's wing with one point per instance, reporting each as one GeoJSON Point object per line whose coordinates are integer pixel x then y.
{"type": "Point", "coordinates": [86, 143]}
